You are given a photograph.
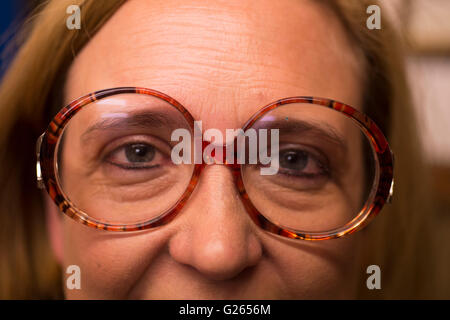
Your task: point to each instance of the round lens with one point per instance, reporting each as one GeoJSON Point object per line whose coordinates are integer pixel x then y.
{"type": "Point", "coordinates": [315, 170]}
{"type": "Point", "coordinates": [114, 159]}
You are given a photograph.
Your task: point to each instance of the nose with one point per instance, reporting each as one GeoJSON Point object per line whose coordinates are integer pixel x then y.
{"type": "Point", "coordinates": [215, 235]}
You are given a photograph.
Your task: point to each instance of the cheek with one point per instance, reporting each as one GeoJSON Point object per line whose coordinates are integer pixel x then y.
{"type": "Point", "coordinates": [319, 270]}
{"type": "Point", "coordinates": [114, 265]}
{"type": "Point", "coordinates": [110, 264]}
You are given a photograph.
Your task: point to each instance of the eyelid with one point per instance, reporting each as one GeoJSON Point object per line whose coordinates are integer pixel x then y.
{"type": "Point", "coordinates": [133, 120]}
{"type": "Point", "coordinates": [317, 154]}
{"type": "Point", "coordinates": [305, 128]}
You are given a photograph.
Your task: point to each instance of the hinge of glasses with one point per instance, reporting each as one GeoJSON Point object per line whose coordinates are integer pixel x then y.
{"type": "Point", "coordinates": [391, 192]}
{"type": "Point", "coordinates": [391, 189]}
{"type": "Point", "coordinates": [40, 181]}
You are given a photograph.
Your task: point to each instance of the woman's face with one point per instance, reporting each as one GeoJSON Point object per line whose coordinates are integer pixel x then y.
{"type": "Point", "coordinates": [223, 60]}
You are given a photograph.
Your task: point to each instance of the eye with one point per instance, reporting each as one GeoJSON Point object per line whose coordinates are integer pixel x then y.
{"type": "Point", "coordinates": [135, 156]}
{"type": "Point", "coordinates": [299, 162]}
{"type": "Point", "coordinates": [139, 152]}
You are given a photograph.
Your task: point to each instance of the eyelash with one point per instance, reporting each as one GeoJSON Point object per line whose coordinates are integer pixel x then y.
{"type": "Point", "coordinates": [132, 167]}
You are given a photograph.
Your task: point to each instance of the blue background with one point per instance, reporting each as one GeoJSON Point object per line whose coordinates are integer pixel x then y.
{"type": "Point", "coordinates": [12, 15]}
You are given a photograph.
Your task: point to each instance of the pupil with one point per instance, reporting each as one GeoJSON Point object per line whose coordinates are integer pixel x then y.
{"type": "Point", "coordinates": [295, 160]}
{"type": "Point", "coordinates": [139, 153]}
{"type": "Point", "coordinates": [290, 157]}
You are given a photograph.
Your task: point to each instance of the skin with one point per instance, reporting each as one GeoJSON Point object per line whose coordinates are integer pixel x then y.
{"type": "Point", "coordinates": [223, 60]}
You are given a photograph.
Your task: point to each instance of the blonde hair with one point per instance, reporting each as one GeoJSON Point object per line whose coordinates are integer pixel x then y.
{"type": "Point", "coordinates": [32, 88]}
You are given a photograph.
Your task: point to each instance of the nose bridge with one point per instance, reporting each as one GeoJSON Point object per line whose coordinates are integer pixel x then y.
{"type": "Point", "coordinates": [219, 241]}
{"type": "Point", "coordinates": [225, 153]}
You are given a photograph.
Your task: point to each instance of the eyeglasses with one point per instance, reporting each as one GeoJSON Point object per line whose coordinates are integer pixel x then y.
{"type": "Point", "coordinates": [125, 159]}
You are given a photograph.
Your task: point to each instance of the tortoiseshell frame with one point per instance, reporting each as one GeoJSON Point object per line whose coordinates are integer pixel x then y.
{"type": "Point", "coordinates": [381, 192]}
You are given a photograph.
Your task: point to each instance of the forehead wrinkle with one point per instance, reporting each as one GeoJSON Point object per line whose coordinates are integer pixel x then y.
{"type": "Point", "coordinates": [225, 66]}
{"type": "Point", "coordinates": [218, 51]}
{"type": "Point", "coordinates": [159, 27]}
{"type": "Point", "coordinates": [224, 40]}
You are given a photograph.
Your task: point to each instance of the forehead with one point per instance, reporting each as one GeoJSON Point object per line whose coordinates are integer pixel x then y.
{"type": "Point", "coordinates": [223, 60]}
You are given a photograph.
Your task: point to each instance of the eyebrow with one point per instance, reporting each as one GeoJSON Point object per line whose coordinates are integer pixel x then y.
{"type": "Point", "coordinates": [134, 120]}
{"type": "Point", "coordinates": [299, 126]}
